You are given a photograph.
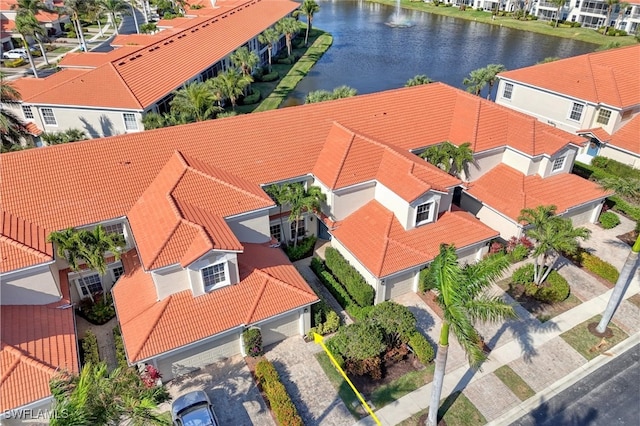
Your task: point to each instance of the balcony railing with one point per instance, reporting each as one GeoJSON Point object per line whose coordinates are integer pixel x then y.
{"type": "Point", "coordinates": [594, 10]}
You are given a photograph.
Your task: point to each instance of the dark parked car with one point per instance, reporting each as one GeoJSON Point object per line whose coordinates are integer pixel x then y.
{"type": "Point", "coordinates": [193, 409]}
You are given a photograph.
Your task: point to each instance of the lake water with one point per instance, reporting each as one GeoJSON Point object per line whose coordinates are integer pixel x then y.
{"type": "Point", "coordinates": [371, 56]}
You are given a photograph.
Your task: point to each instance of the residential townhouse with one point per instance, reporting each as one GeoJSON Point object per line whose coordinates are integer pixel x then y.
{"type": "Point", "coordinates": [596, 95]}
{"type": "Point", "coordinates": [10, 38]}
{"type": "Point", "coordinates": [201, 264]}
{"type": "Point", "coordinates": [194, 48]}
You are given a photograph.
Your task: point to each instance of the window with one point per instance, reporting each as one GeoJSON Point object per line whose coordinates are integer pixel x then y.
{"type": "Point", "coordinates": [213, 275]}
{"type": "Point", "coordinates": [603, 116]}
{"type": "Point", "coordinates": [28, 113]}
{"type": "Point", "coordinates": [301, 230]}
{"type": "Point", "coordinates": [115, 228]}
{"type": "Point", "coordinates": [130, 122]}
{"type": "Point", "coordinates": [576, 112]}
{"type": "Point", "coordinates": [558, 164]}
{"type": "Point", "coordinates": [48, 117]}
{"type": "Point", "coordinates": [424, 213]}
{"type": "Point", "coordinates": [508, 91]}
{"type": "Point", "coordinates": [89, 285]}
{"type": "Point", "coordinates": [117, 272]}
{"type": "Point", "coordinates": [276, 232]}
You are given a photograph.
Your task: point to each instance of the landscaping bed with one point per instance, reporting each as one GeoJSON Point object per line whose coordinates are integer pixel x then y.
{"type": "Point", "coordinates": [629, 238]}
{"type": "Point", "coordinates": [542, 311]}
{"type": "Point", "coordinates": [457, 409]}
{"type": "Point", "coordinates": [588, 345]}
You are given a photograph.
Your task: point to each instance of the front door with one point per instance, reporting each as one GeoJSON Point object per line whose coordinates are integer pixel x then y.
{"type": "Point", "coordinates": [593, 148]}
{"type": "Point", "coordinates": [323, 231]}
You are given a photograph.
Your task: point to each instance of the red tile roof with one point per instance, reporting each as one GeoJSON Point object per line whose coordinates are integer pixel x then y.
{"type": "Point", "coordinates": [33, 129]}
{"type": "Point", "coordinates": [609, 77]}
{"type": "Point", "coordinates": [139, 79]}
{"type": "Point", "coordinates": [374, 235]}
{"type": "Point", "coordinates": [95, 59]}
{"type": "Point", "coordinates": [22, 244]}
{"type": "Point", "coordinates": [269, 285]}
{"type": "Point", "coordinates": [348, 158]}
{"type": "Point", "coordinates": [628, 136]}
{"type": "Point", "coordinates": [37, 340]}
{"type": "Point", "coordinates": [597, 132]}
{"type": "Point", "coordinates": [111, 174]}
{"type": "Point", "coordinates": [8, 5]}
{"type": "Point", "coordinates": [518, 191]}
{"type": "Point", "coordinates": [180, 216]}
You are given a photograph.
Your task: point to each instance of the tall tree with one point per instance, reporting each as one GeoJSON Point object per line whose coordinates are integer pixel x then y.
{"type": "Point", "coordinates": [132, 5]}
{"type": "Point", "coordinates": [418, 80]}
{"type": "Point", "coordinates": [476, 81]}
{"type": "Point", "coordinates": [12, 130]}
{"type": "Point", "coordinates": [553, 235]}
{"type": "Point", "coordinates": [269, 37]}
{"type": "Point", "coordinates": [231, 85]}
{"type": "Point", "coordinates": [8, 93]}
{"type": "Point", "coordinates": [28, 26]}
{"type": "Point", "coordinates": [278, 194]}
{"type": "Point", "coordinates": [31, 6]}
{"type": "Point", "coordinates": [308, 9]}
{"type": "Point", "coordinates": [610, 4]}
{"type": "Point", "coordinates": [627, 272]}
{"type": "Point", "coordinates": [113, 8]}
{"type": "Point", "coordinates": [559, 4]}
{"type": "Point", "coordinates": [302, 200]}
{"type": "Point", "coordinates": [450, 158]}
{"type": "Point", "coordinates": [195, 102]}
{"type": "Point", "coordinates": [622, 8]}
{"type": "Point", "coordinates": [491, 75]}
{"type": "Point", "coordinates": [24, 25]}
{"type": "Point", "coordinates": [463, 300]}
{"type": "Point", "coordinates": [75, 8]}
{"type": "Point", "coordinates": [289, 27]}
{"type": "Point", "coordinates": [245, 59]}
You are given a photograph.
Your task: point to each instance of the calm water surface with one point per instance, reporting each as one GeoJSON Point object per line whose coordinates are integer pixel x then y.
{"type": "Point", "coordinates": [371, 56]}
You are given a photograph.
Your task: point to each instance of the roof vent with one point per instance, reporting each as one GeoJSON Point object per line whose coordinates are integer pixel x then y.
{"type": "Point", "coordinates": [122, 63]}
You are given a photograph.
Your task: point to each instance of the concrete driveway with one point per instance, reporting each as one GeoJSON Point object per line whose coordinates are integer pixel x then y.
{"type": "Point", "coordinates": [230, 387]}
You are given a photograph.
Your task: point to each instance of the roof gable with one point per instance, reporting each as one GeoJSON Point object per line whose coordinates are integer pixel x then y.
{"type": "Point", "coordinates": [22, 243]}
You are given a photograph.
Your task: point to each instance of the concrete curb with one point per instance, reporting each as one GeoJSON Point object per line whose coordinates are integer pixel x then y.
{"type": "Point", "coordinates": [567, 381]}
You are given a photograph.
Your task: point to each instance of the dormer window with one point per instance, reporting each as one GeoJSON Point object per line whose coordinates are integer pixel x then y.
{"type": "Point", "coordinates": [558, 164]}
{"type": "Point", "coordinates": [215, 276]}
{"type": "Point", "coordinates": [424, 213]}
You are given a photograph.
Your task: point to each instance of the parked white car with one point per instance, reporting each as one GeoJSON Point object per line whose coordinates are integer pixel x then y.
{"type": "Point", "coordinates": [15, 54]}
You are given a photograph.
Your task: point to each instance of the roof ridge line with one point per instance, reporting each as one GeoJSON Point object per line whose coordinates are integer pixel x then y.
{"type": "Point", "coordinates": [31, 250]}
{"type": "Point", "coordinates": [256, 301]}
{"type": "Point", "coordinates": [346, 151]}
{"type": "Point", "coordinates": [23, 356]}
{"type": "Point", "coordinates": [280, 282]}
{"type": "Point", "coordinates": [153, 325]}
{"type": "Point", "coordinates": [123, 80]}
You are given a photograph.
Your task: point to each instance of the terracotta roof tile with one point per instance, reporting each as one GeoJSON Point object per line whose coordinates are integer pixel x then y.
{"type": "Point", "coordinates": [94, 59]}
{"type": "Point", "coordinates": [374, 235]}
{"type": "Point", "coordinates": [518, 191]}
{"type": "Point", "coordinates": [22, 243]}
{"type": "Point", "coordinates": [628, 136]}
{"type": "Point", "coordinates": [609, 77]}
{"type": "Point", "coordinates": [598, 132]}
{"type": "Point", "coordinates": [268, 285]}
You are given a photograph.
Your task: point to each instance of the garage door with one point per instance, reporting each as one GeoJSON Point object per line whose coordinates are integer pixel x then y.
{"type": "Point", "coordinates": [580, 216]}
{"type": "Point", "coordinates": [400, 285]}
{"type": "Point", "coordinates": [280, 329]}
{"type": "Point", "coordinates": [197, 357]}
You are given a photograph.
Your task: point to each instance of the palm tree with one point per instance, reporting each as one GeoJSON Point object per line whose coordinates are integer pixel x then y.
{"type": "Point", "coordinates": [24, 25]}
{"type": "Point", "coordinates": [28, 25]}
{"type": "Point", "coordinates": [558, 4]}
{"type": "Point", "coordinates": [627, 272]}
{"type": "Point", "coordinates": [462, 156]}
{"type": "Point", "coordinates": [288, 27]}
{"type": "Point", "coordinates": [8, 93]}
{"type": "Point", "coordinates": [622, 8]}
{"type": "Point", "coordinates": [553, 235]}
{"type": "Point", "coordinates": [74, 8]}
{"type": "Point", "coordinates": [31, 6]}
{"type": "Point", "coordinates": [133, 14]}
{"type": "Point", "coordinates": [12, 130]}
{"type": "Point", "coordinates": [418, 80]}
{"type": "Point", "coordinates": [278, 194]}
{"type": "Point", "coordinates": [476, 81]}
{"type": "Point", "coordinates": [626, 187]}
{"type": "Point", "coordinates": [462, 298]}
{"type": "Point", "coordinates": [231, 85]}
{"type": "Point", "coordinates": [450, 158]}
{"type": "Point", "coordinates": [114, 8]}
{"type": "Point", "coordinates": [245, 59]}
{"type": "Point", "coordinates": [195, 102]}
{"type": "Point", "coordinates": [269, 37]}
{"type": "Point", "coordinates": [301, 201]}
{"type": "Point", "coordinates": [308, 9]}
{"type": "Point", "coordinates": [491, 73]}
{"type": "Point", "coordinates": [610, 4]}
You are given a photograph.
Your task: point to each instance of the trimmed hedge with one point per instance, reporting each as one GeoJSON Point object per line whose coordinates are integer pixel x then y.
{"type": "Point", "coordinates": [523, 275]}
{"type": "Point", "coordinates": [253, 98]}
{"type": "Point", "coordinates": [279, 400]}
{"type": "Point", "coordinates": [609, 220]}
{"type": "Point", "coordinates": [426, 283]}
{"type": "Point", "coordinates": [272, 76]}
{"type": "Point", "coordinates": [599, 267]}
{"type": "Point", "coordinates": [615, 168]}
{"type": "Point", "coordinates": [361, 292]}
{"type": "Point", "coordinates": [421, 348]}
{"type": "Point", "coordinates": [301, 250]}
{"type": "Point", "coordinates": [90, 348]}
{"type": "Point", "coordinates": [554, 289]}
{"type": "Point", "coordinates": [121, 356]}
{"type": "Point", "coordinates": [620, 205]}
{"type": "Point", "coordinates": [252, 339]}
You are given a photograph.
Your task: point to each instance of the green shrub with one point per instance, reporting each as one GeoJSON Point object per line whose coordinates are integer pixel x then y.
{"type": "Point", "coordinates": [554, 289]}
{"type": "Point", "coordinates": [252, 338]}
{"type": "Point", "coordinates": [360, 344]}
{"type": "Point", "coordinates": [358, 313]}
{"type": "Point", "coordinates": [620, 205]}
{"type": "Point", "coordinates": [14, 63]}
{"type": "Point", "coordinates": [615, 168]}
{"type": "Point", "coordinates": [421, 348]}
{"type": "Point", "coordinates": [279, 400]}
{"type": "Point", "coordinates": [599, 267]}
{"type": "Point", "coordinates": [100, 310]}
{"type": "Point", "coordinates": [324, 319]}
{"type": "Point", "coordinates": [426, 282]}
{"type": "Point", "coordinates": [519, 253]}
{"type": "Point", "coordinates": [396, 321]}
{"type": "Point", "coordinates": [361, 292]}
{"type": "Point", "coordinates": [609, 220]}
{"type": "Point", "coordinates": [90, 348]}
{"type": "Point", "coordinates": [523, 275]}
{"type": "Point", "coordinates": [332, 323]}
{"type": "Point", "coordinates": [195, 6]}
{"type": "Point", "coordinates": [272, 76]}
{"type": "Point", "coordinates": [302, 250]}
{"type": "Point", "coordinates": [287, 61]}
{"type": "Point", "coordinates": [121, 356]}
{"type": "Point", "coordinates": [253, 98]}
{"type": "Point", "coordinates": [334, 287]}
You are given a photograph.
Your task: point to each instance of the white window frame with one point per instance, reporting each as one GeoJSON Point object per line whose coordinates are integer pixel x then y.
{"type": "Point", "coordinates": [601, 114]}
{"type": "Point", "coordinates": [44, 117]}
{"type": "Point", "coordinates": [271, 233]}
{"type": "Point", "coordinates": [431, 205]}
{"type": "Point", "coordinates": [112, 271]}
{"type": "Point", "coordinates": [574, 107]}
{"type": "Point", "coordinates": [292, 229]}
{"type": "Point", "coordinates": [225, 282]}
{"type": "Point", "coordinates": [27, 111]}
{"type": "Point", "coordinates": [558, 164]}
{"type": "Point", "coordinates": [81, 286]}
{"type": "Point", "coordinates": [134, 121]}
{"type": "Point", "coordinates": [508, 86]}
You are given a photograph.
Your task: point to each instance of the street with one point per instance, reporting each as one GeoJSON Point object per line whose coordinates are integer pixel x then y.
{"type": "Point", "coordinates": [608, 396]}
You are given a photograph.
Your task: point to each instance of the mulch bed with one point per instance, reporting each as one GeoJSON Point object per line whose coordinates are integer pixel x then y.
{"type": "Point", "coordinates": [390, 372]}
{"type": "Point", "coordinates": [430, 299]}
{"type": "Point", "coordinates": [534, 306]}
{"type": "Point", "coordinates": [629, 238]}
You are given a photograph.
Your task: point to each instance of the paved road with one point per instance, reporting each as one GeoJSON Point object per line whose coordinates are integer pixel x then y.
{"type": "Point", "coordinates": [128, 27]}
{"type": "Point", "coordinates": [609, 396]}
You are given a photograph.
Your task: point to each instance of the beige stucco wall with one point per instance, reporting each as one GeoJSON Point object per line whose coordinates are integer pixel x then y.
{"type": "Point", "coordinates": [251, 228]}
{"type": "Point", "coordinates": [34, 286]}
{"type": "Point", "coordinates": [393, 202]}
{"type": "Point", "coordinates": [621, 156]}
{"type": "Point", "coordinates": [516, 160]}
{"type": "Point", "coordinates": [483, 162]}
{"type": "Point", "coordinates": [170, 280]}
{"type": "Point", "coordinates": [546, 163]}
{"type": "Point", "coordinates": [346, 201]}
{"type": "Point", "coordinates": [489, 217]}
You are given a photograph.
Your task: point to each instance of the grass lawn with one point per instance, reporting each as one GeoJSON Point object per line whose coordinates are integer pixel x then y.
{"type": "Point", "coordinates": [588, 345]}
{"type": "Point", "coordinates": [411, 381]}
{"type": "Point", "coordinates": [274, 93]}
{"type": "Point", "coordinates": [514, 382]}
{"type": "Point", "coordinates": [60, 50]}
{"type": "Point", "coordinates": [582, 34]}
{"type": "Point", "coordinates": [459, 413]}
{"type": "Point", "coordinates": [344, 391]}
{"type": "Point", "coordinates": [635, 299]}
